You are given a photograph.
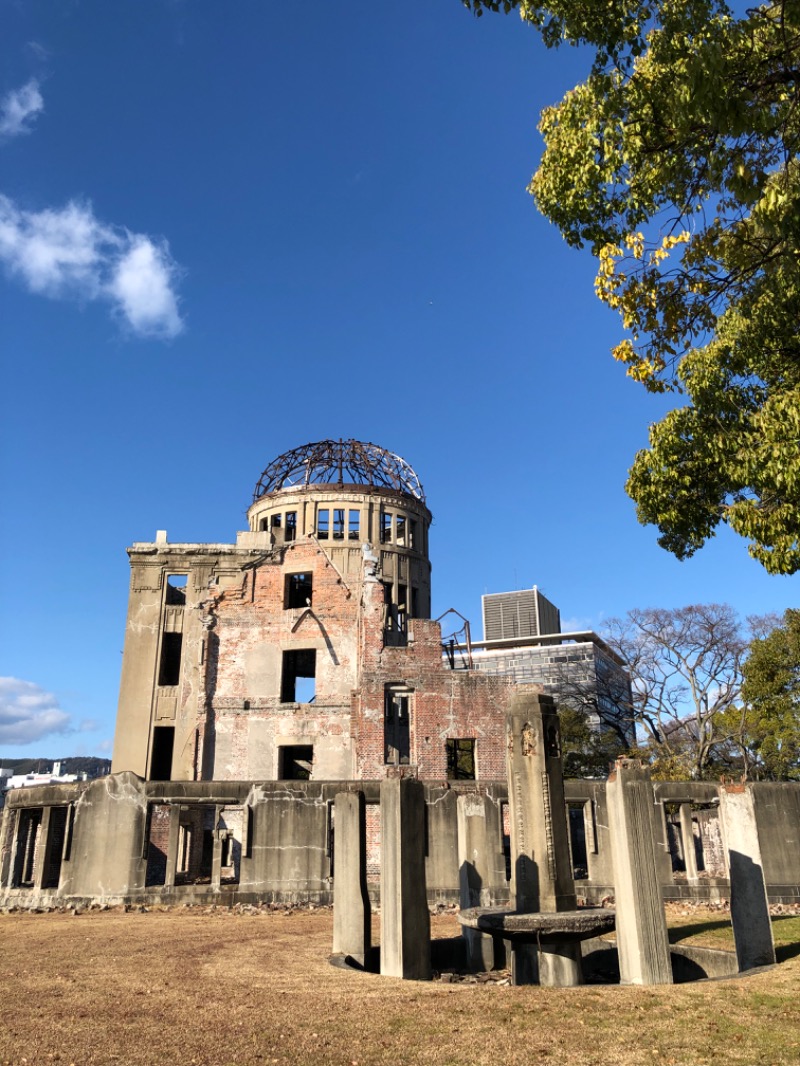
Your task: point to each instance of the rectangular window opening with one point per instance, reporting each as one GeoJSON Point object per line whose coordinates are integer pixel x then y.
{"type": "Point", "coordinates": [291, 526]}
{"type": "Point", "coordinates": [397, 726]}
{"type": "Point", "coordinates": [402, 607]}
{"type": "Point", "coordinates": [161, 758]}
{"type": "Point", "coordinates": [412, 533]}
{"type": "Point", "coordinates": [298, 680]}
{"type": "Point", "coordinates": [296, 762]}
{"type": "Point", "coordinates": [176, 589]}
{"type": "Point", "coordinates": [169, 671]}
{"type": "Point", "coordinates": [413, 611]}
{"type": "Point", "coordinates": [400, 530]}
{"type": "Point", "coordinates": [353, 525]}
{"type": "Point", "coordinates": [460, 759]}
{"type": "Point", "coordinates": [298, 590]}
{"type": "Point", "coordinates": [323, 521]}
{"type": "Point", "coordinates": [276, 521]}
{"type": "Point", "coordinates": [386, 527]}
{"type": "Point", "coordinates": [338, 523]}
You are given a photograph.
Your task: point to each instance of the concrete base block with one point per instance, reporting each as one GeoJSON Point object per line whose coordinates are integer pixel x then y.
{"type": "Point", "coordinates": [560, 965]}
{"type": "Point", "coordinates": [524, 964]}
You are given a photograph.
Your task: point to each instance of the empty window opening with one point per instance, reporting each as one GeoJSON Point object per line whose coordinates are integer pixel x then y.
{"type": "Point", "coordinates": [298, 680]}
{"type": "Point", "coordinates": [323, 521]}
{"type": "Point", "coordinates": [577, 840]}
{"type": "Point", "coordinates": [184, 849]}
{"type": "Point", "coordinates": [161, 758]}
{"type": "Point", "coordinates": [226, 851]}
{"type": "Point", "coordinates": [400, 530]}
{"type": "Point", "coordinates": [402, 607]}
{"type": "Point", "coordinates": [51, 873]}
{"type": "Point", "coordinates": [397, 726]}
{"type": "Point", "coordinates": [207, 855]}
{"type": "Point", "coordinates": [296, 762]}
{"type": "Point", "coordinates": [263, 525]}
{"type": "Point", "coordinates": [412, 533]}
{"type": "Point", "coordinates": [338, 523]}
{"type": "Point", "coordinates": [386, 527]}
{"type": "Point", "coordinates": [291, 525]}
{"type": "Point", "coordinates": [248, 829]}
{"type": "Point", "coordinates": [413, 610]}
{"type": "Point", "coordinates": [169, 671]}
{"type": "Point", "coordinates": [460, 759]}
{"type": "Point", "coordinates": [30, 824]}
{"type": "Point", "coordinates": [353, 525]}
{"type": "Point", "coordinates": [276, 522]}
{"type": "Point", "coordinates": [176, 589]}
{"type": "Point", "coordinates": [298, 590]}
{"type": "Point", "coordinates": [156, 844]}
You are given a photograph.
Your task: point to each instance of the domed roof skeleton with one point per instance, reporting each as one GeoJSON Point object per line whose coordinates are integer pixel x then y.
{"type": "Point", "coordinates": [339, 462]}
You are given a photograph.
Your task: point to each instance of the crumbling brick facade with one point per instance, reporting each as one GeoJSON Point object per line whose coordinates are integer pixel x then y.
{"type": "Point", "coordinates": [306, 649]}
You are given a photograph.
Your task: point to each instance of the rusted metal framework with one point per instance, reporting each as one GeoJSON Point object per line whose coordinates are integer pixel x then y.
{"type": "Point", "coordinates": [338, 462]}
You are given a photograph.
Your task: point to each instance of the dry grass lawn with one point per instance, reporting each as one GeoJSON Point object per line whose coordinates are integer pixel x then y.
{"type": "Point", "coordinates": [212, 989]}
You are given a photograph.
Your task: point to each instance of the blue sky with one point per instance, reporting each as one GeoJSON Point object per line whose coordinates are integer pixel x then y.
{"type": "Point", "coordinates": [229, 230]}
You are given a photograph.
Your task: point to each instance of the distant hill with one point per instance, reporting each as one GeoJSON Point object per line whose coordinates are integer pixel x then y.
{"type": "Point", "coordinates": [76, 764]}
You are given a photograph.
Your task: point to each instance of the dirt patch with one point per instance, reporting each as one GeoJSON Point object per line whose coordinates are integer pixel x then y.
{"type": "Point", "coordinates": [247, 989]}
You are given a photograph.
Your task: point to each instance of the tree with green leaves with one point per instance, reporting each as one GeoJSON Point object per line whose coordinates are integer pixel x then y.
{"type": "Point", "coordinates": [678, 162]}
{"type": "Point", "coordinates": [769, 733]}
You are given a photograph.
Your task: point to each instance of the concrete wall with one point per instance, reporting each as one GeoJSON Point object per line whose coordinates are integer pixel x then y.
{"type": "Point", "coordinates": [273, 841]}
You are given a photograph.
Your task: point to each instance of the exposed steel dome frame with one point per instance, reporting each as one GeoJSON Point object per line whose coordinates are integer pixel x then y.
{"type": "Point", "coordinates": [337, 462]}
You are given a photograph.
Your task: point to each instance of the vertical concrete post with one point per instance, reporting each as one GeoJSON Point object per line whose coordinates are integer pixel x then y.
{"type": "Point", "coordinates": [475, 873]}
{"type": "Point", "coordinates": [352, 922]}
{"type": "Point", "coordinates": [173, 843]}
{"type": "Point", "coordinates": [644, 957]}
{"type": "Point", "coordinates": [216, 852]}
{"type": "Point", "coordinates": [10, 818]}
{"type": "Point", "coordinates": [752, 929]}
{"type": "Point", "coordinates": [541, 862]}
{"type": "Point", "coordinates": [687, 840]}
{"type": "Point", "coordinates": [42, 846]}
{"type": "Point", "coordinates": [405, 919]}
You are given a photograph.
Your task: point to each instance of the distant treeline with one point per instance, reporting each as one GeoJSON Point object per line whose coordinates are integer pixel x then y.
{"type": "Point", "coordinates": [77, 764]}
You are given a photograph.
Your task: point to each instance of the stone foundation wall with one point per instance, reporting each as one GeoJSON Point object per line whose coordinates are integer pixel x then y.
{"type": "Point", "coordinates": [121, 839]}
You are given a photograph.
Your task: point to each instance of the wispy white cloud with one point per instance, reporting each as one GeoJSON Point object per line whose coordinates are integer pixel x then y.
{"type": "Point", "coordinates": [68, 252]}
{"type": "Point", "coordinates": [19, 108]}
{"type": "Point", "coordinates": [28, 712]}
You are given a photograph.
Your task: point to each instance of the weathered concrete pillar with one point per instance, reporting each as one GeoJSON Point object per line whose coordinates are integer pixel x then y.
{"type": "Point", "coordinates": [752, 929]}
{"type": "Point", "coordinates": [173, 844]}
{"type": "Point", "coordinates": [644, 957]}
{"type": "Point", "coordinates": [541, 863]}
{"type": "Point", "coordinates": [405, 919]}
{"type": "Point", "coordinates": [687, 840]}
{"type": "Point", "coordinates": [42, 845]}
{"type": "Point", "coordinates": [477, 862]}
{"type": "Point", "coordinates": [219, 838]}
{"type": "Point", "coordinates": [8, 836]}
{"type": "Point", "coordinates": [352, 921]}
{"type": "Point", "coordinates": [107, 853]}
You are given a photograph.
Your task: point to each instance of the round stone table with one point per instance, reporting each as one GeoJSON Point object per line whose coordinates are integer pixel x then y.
{"type": "Point", "coordinates": [546, 944]}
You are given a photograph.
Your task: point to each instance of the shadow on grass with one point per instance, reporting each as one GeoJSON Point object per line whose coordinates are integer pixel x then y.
{"type": "Point", "coordinates": [683, 932]}
{"type": "Point", "coordinates": [784, 952]}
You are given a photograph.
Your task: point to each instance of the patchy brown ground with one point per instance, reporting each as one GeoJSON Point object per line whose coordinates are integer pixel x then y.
{"type": "Point", "coordinates": [220, 988]}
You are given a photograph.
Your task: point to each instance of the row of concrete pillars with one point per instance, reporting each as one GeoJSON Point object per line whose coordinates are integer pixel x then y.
{"type": "Point", "coordinates": [642, 941]}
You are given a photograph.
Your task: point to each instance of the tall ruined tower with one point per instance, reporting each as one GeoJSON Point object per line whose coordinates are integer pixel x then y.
{"type": "Point", "coordinates": [244, 661]}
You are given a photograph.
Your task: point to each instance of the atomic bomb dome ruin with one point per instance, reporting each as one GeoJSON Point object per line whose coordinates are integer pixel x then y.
{"type": "Point", "coordinates": [305, 650]}
{"type": "Point", "coordinates": [268, 682]}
